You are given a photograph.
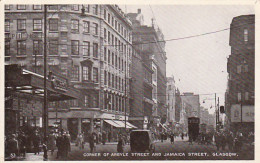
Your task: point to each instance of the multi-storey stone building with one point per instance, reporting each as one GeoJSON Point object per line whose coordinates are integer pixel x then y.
{"type": "Point", "coordinates": [88, 44]}
{"type": "Point", "coordinates": [150, 42]}
{"type": "Point", "coordinates": [240, 91]}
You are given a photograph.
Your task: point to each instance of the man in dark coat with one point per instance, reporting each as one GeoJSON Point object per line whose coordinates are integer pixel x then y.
{"type": "Point", "coordinates": [22, 143]}
{"type": "Point", "coordinates": [182, 136]}
{"type": "Point", "coordinates": [104, 137]}
{"type": "Point", "coordinates": [65, 144]}
{"type": "Point", "coordinates": [58, 144]}
{"type": "Point", "coordinates": [109, 136]}
{"type": "Point", "coordinates": [230, 141]}
{"type": "Point", "coordinates": [36, 143]}
{"type": "Point", "coordinates": [91, 142]}
{"type": "Point", "coordinates": [172, 138]}
{"type": "Point", "coordinates": [162, 136]}
{"type": "Point", "coordinates": [223, 140]}
{"type": "Point", "coordinates": [120, 144]}
{"type": "Point", "coordinates": [217, 140]}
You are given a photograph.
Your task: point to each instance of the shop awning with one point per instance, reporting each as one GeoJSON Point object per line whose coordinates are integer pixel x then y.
{"type": "Point", "coordinates": [129, 124]}
{"type": "Point", "coordinates": [122, 124]}
{"type": "Point", "coordinates": [33, 83]}
{"type": "Point", "coordinates": [113, 123]}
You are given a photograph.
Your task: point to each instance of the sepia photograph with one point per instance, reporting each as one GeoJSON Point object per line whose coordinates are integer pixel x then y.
{"type": "Point", "coordinates": [85, 82]}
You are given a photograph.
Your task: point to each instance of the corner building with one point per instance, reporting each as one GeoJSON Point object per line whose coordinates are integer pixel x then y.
{"type": "Point", "coordinates": [240, 93]}
{"type": "Point", "coordinates": [88, 44]}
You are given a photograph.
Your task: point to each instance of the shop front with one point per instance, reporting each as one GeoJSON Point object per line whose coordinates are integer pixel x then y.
{"type": "Point", "coordinates": [24, 98]}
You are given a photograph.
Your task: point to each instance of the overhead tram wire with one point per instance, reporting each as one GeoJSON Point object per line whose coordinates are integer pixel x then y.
{"type": "Point", "coordinates": [174, 39]}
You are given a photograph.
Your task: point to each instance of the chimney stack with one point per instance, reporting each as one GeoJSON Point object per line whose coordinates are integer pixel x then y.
{"type": "Point", "coordinates": [139, 11]}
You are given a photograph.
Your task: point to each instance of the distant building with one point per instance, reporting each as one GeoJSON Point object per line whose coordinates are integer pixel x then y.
{"type": "Point", "coordinates": [193, 100]}
{"type": "Point", "coordinates": [184, 115]}
{"type": "Point", "coordinates": [178, 105]}
{"type": "Point", "coordinates": [204, 115]}
{"type": "Point", "coordinates": [240, 93]}
{"type": "Point", "coordinates": [171, 89]}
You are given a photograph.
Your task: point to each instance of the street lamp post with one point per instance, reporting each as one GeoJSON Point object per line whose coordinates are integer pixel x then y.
{"type": "Point", "coordinates": [45, 113]}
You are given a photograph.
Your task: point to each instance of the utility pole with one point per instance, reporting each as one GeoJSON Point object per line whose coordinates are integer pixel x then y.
{"type": "Point", "coordinates": [125, 84]}
{"type": "Point", "coordinates": [45, 109]}
{"type": "Point", "coordinates": [216, 110]}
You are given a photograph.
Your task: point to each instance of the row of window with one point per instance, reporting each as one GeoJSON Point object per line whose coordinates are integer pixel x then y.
{"type": "Point", "coordinates": [114, 102]}
{"type": "Point", "coordinates": [242, 68]}
{"type": "Point", "coordinates": [53, 48]}
{"type": "Point", "coordinates": [115, 42]}
{"type": "Point", "coordinates": [114, 60]}
{"type": "Point", "coordinates": [53, 25]}
{"type": "Point", "coordinates": [114, 81]}
{"type": "Point", "coordinates": [55, 7]}
{"type": "Point", "coordinates": [88, 73]}
{"type": "Point", "coordinates": [246, 96]}
{"type": "Point", "coordinates": [90, 101]}
{"type": "Point", "coordinates": [116, 25]}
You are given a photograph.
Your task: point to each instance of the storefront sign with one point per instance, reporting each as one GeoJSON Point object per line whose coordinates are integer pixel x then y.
{"type": "Point", "coordinates": [248, 113]}
{"type": "Point", "coordinates": [59, 83]}
{"type": "Point", "coordinates": [117, 117]}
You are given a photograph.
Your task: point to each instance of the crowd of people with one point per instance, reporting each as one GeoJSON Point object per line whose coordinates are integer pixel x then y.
{"type": "Point", "coordinates": [234, 141]}
{"type": "Point", "coordinates": [16, 145]}
{"type": "Point", "coordinates": [225, 139]}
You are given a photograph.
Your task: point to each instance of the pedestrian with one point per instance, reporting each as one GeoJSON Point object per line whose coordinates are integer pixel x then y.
{"type": "Point", "coordinates": [22, 143]}
{"type": "Point", "coordinates": [104, 137]}
{"type": "Point", "coordinates": [162, 137]}
{"type": "Point", "coordinates": [91, 142]}
{"type": "Point", "coordinates": [182, 136]}
{"type": "Point", "coordinates": [99, 137]}
{"type": "Point", "coordinates": [80, 141]}
{"type": "Point", "coordinates": [58, 144]}
{"type": "Point", "coordinates": [190, 139]}
{"type": "Point", "coordinates": [120, 144]}
{"type": "Point", "coordinates": [69, 137]}
{"type": "Point", "coordinates": [51, 142]}
{"type": "Point", "coordinates": [223, 140]}
{"type": "Point", "coordinates": [230, 140]}
{"type": "Point", "coordinates": [109, 136]}
{"type": "Point", "coordinates": [239, 142]}
{"type": "Point", "coordinates": [36, 142]}
{"type": "Point", "coordinates": [128, 138]}
{"type": "Point", "coordinates": [172, 138]}
{"type": "Point", "coordinates": [64, 146]}
{"type": "Point", "coordinates": [217, 140]}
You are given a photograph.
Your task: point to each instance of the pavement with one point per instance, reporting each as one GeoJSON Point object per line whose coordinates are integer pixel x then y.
{"type": "Point", "coordinates": [163, 151]}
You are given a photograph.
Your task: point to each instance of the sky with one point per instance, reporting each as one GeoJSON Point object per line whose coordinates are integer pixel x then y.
{"type": "Point", "coordinates": [198, 64]}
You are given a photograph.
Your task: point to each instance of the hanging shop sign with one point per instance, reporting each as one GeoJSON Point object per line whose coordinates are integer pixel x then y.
{"type": "Point", "coordinates": [59, 83]}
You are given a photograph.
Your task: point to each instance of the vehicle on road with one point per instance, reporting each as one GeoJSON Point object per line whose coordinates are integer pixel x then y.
{"type": "Point", "coordinates": [193, 127]}
{"type": "Point", "coordinates": [142, 140]}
